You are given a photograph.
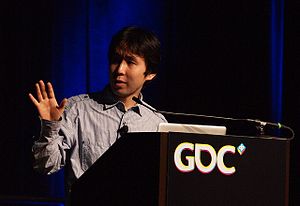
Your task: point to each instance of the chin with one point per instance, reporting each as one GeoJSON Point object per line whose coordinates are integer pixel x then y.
{"type": "Point", "coordinates": [120, 92]}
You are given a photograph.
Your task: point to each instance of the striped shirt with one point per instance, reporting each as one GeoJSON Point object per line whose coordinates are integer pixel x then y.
{"type": "Point", "coordinates": [90, 124]}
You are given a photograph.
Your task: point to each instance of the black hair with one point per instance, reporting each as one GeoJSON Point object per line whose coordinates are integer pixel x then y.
{"type": "Point", "coordinates": [137, 41]}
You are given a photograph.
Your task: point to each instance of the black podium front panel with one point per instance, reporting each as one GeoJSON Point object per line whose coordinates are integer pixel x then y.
{"type": "Point", "coordinates": [225, 170]}
{"type": "Point", "coordinates": [126, 174]}
{"type": "Point", "coordinates": [180, 169]}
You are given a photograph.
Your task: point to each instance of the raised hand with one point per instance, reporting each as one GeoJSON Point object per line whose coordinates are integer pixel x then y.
{"type": "Point", "coordinates": [46, 103]}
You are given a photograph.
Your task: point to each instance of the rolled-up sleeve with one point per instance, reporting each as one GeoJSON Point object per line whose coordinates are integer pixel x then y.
{"type": "Point", "coordinates": [50, 149]}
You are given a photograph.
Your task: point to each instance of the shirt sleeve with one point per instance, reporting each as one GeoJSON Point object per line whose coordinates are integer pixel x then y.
{"type": "Point", "coordinates": [49, 150]}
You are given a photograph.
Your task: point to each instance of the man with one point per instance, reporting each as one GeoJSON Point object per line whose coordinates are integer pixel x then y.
{"type": "Point", "coordinates": [79, 130]}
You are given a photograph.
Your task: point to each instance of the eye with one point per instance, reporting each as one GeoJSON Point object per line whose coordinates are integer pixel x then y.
{"type": "Point", "coordinates": [130, 60]}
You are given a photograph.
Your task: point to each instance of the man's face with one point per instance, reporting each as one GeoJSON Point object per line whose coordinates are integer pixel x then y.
{"type": "Point", "coordinates": [127, 75]}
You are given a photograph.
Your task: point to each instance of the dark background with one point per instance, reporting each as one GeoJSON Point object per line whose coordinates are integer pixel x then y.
{"type": "Point", "coordinates": [216, 61]}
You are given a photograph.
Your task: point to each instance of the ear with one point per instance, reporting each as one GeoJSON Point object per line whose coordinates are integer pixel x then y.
{"type": "Point", "coordinates": [150, 77]}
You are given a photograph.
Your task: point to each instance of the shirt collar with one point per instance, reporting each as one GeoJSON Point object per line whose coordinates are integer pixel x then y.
{"type": "Point", "coordinates": [109, 100]}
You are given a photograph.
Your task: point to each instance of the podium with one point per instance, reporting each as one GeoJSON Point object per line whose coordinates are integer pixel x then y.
{"type": "Point", "coordinates": [180, 169]}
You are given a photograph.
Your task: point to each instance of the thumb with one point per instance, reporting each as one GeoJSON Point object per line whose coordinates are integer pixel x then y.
{"type": "Point", "coordinates": [63, 104]}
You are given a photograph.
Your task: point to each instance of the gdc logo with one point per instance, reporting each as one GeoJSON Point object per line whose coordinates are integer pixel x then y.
{"type": "Point", "coordinates": [198, 149]}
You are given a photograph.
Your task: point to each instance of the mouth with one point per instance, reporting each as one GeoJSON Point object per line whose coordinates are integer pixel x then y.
{"type": "Point", "coordinates": [119, 82]}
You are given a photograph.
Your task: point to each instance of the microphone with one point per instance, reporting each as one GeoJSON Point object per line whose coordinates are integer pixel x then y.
{"type": "Point", "coordinates": [123, 130]}
{"type": "Point", "coordinates": [258, 123]}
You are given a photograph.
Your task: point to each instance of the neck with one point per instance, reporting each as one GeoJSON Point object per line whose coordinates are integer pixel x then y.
{"type": "Point", "coordinates": [127, 101]}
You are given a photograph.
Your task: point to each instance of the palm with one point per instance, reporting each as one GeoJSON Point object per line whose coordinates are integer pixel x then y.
{"type": "Point", "coordinates": [46, 103]}
{"type": "Point", "coordinates": [48, 109]}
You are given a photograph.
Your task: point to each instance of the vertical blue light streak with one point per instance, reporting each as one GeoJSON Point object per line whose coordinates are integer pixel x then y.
{"type": "Point", "coordinates": [277, 34]}
{"type": "Point", "coordinates": [81, 35]}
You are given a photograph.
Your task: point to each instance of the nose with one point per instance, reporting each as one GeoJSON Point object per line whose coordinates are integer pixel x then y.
{"type": "Point", "coordinates": [121, 68]}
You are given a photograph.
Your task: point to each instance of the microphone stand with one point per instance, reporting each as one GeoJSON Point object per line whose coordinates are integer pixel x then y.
{"type": "Point", "coordinates": [260, 125]}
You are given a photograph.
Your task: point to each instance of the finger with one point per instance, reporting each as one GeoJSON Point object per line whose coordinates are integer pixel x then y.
{"type": "Point", "coordinates": [50, 90]}
{"type": "Point", "coordinates": [43, 89]}
{"type": "Point", "coordinates": [38, 92]}
{"type": "Point", "coordinates": [34, 101]}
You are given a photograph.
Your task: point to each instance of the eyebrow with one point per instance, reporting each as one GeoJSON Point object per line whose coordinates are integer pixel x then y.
{"type": "Point", "coordinates": [118, 56]}
{"type": "Point", "coordinates": [130, 58]}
